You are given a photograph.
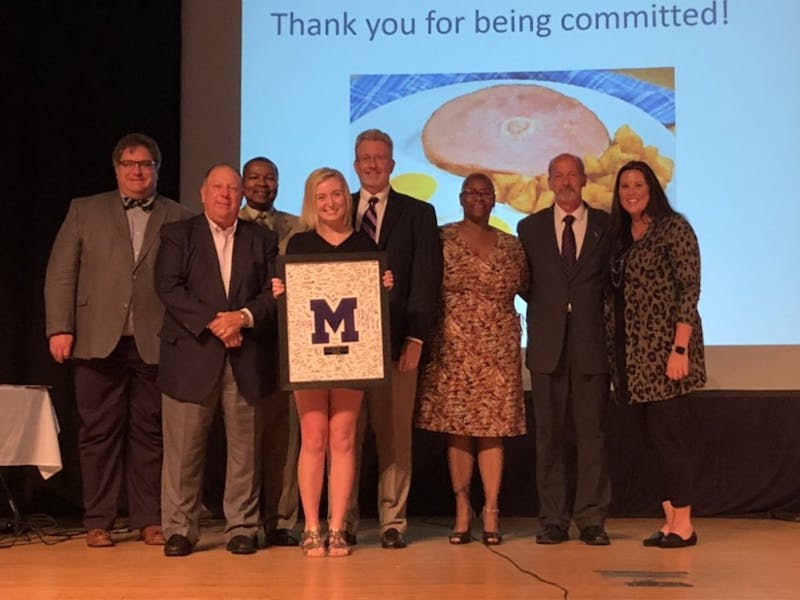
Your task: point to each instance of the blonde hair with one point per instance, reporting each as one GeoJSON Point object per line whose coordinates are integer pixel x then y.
{"type": "Point", "coordinates": [308, 215]}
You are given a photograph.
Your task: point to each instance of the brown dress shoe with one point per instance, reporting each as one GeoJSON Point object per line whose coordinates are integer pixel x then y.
{"type": "Point", "coordinates": [98, 538]}
{"type": "Point", "coordinates": [152, 535]}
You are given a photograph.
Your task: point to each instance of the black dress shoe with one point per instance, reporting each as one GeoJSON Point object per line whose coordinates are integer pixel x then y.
{"type": "Point", "coordinates": [654, 539]}
{"type": "Point", "coordinates": [177, 545]}
{"type": "Point", "coordinates": [673, 540]}
{"type": "Point", "coordinates": [552, 534]}
{"type": "Point", "coordinates": [241, 544]}
{"type": "Point", "coordinates": [263, 539]}
{"type": "Point", "coordinates": [594, 535]}
{"type": "Point", "coordinates": [283, 537]}
{"type": "Point", "coordinates": [392, 538]}
{"type": "Point", "coordinates": [350, 538]}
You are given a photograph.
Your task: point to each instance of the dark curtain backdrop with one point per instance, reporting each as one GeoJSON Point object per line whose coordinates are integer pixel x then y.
{"type": "Point", "coordinates": [79, 76]}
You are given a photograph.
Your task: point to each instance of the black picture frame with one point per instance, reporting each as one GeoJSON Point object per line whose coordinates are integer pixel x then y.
{"type": "Point", "coordinates": [333, 321]}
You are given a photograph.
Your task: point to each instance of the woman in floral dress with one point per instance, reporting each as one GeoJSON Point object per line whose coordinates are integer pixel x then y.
{"type": "Point", "coordinates": [471, 388]}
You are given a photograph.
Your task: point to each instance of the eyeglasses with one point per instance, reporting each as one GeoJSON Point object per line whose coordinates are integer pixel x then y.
{"type": "Point", "coordinates": [477, 193]}
{"type": "Point", "coordinates": [377, 158]}
{"type": "Point", "coordinates": [142, 164]}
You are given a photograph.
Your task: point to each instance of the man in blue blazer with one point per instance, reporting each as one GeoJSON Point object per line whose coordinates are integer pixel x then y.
{"type": "Point", "coordinates": [405, 228]}
{"type": "Point", "coordinates": [213, 275]}
{"type": "Point", "coordinates": [567, 250]}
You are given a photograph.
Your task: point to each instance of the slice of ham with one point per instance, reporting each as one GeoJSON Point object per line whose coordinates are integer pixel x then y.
{"type": "Point", "coordinates": [510, 129]}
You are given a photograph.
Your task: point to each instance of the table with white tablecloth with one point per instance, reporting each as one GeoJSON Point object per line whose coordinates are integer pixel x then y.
{"type": "Point", "coordinates": [29, 429]}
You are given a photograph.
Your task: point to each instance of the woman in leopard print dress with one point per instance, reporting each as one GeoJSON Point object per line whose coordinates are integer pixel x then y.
{"type": "Point", "coordinates": [655, 333]}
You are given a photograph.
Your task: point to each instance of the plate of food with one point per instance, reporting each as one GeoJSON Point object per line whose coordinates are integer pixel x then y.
{"type": "Point", "coordinates": [510, 129]}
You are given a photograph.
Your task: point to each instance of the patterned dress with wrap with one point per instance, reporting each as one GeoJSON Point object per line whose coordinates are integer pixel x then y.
{"type": "Point", "coordinates": [472, 383]}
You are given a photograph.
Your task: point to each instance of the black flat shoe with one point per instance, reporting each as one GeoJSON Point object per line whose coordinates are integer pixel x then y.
{"type": "Point", "coordinates": [673, 540]}
{"type": "Point", "coordinates": [350, 538]}
{"type": "Point", "coordinates": [177, 545]}
{"type": "Point", "coordinates": [460, 537]}
{"type": "Point", "coordinates": [552, 534]}
{"type": "Point", "coordinates": [241, 544]}
{"type": "Point", "coordinates": [653, 539]}
{"type": "Point", "coordinates": [594, 535]}
{"type": "Point", "coordinates": [393, 539]}
{"type": "Point", "coordinates": [283, 537]}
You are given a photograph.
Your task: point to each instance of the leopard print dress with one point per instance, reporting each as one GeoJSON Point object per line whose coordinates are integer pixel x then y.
{"type": "Point", "coordinates": [658, 282]}
{"type": "Point", "coordinates": [472, 384]}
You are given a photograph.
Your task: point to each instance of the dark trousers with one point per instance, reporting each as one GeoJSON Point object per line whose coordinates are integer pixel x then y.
{"type": "Point", "coordinates": [564, 399]}
{"type": "Point", "coordinates": [120, 432]}
{"type": "Point", "coordinates": [665, 432]}
{"type": "Point", "coordinates": [280, 500]}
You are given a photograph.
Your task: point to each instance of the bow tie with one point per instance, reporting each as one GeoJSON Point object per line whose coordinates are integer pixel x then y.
{"type": "Point", "coordinates": [146, 204]}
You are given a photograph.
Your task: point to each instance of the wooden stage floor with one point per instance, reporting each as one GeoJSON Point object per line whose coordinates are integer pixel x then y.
{"type": "Point", "coordinates": [735, 559]}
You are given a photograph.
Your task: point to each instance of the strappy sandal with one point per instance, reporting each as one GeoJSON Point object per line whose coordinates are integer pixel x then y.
{"type": "Point", "coordinates": [491, 538]}
{"type": "Point", "coordinates": [337, 545]}
{"type": "Point", "coordinates": [463, 537]}
{"type": "Point", "coordinates": [311, 543]}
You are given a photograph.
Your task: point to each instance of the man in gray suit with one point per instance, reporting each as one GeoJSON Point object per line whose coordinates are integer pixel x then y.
{"type": "Point", "coordinates": [280, 500]}
{"type": "Point", "coordinates": [567, 250]}
{"type": "Point", "coordinates": [102, 311]}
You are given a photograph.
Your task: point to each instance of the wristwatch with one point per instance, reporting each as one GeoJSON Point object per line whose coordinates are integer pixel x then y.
{"type": "Point", "coordinates": [680, 349]}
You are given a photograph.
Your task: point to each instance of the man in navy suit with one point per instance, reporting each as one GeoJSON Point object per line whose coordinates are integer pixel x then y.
{"type": "Point", "coordinates": [567, 250]}
{"type": "Point", "coordinates": [213, 275]}
{"type": "Point", "coordinates": [405, 228]}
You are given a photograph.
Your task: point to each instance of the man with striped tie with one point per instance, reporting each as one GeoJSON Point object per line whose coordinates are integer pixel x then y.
{"type": "Point", "coordinates": [405, 228]}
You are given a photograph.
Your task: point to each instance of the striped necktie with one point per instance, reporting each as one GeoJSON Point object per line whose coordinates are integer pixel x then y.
{"type": "Point", "coordinates": [369, 222]}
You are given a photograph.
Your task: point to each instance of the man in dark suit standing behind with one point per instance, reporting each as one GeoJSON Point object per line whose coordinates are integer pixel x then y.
{"type": "Point", "coordinates": [213, 274]}
{"type": "Point", "coordinates": [567, 250]}
{"type": "Point", "coordinates": [280, 499]}
{"type": "Point", "coordinates": [406, 229]}
{"type": "Point", "coordinates": [103, 312]}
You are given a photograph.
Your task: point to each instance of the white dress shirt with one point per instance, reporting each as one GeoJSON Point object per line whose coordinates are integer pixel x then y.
{"type": "Point", "coordinates": [578, 226]}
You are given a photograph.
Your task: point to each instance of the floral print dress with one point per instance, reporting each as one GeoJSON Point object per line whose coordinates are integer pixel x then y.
{"type": "Point", "coordinates": [472, 383]}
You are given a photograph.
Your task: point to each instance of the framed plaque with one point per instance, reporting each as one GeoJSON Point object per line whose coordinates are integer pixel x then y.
{"type": "Point", "coordinates": [333, 321]}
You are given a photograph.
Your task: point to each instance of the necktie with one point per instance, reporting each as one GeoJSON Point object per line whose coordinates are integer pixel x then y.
{"type": "Point", "coordinates": [369, 222]}
{"type": "Point", "coordinates": [266, 219]}
{"type": "Point", "coordinates": [569, 248]}
{"type": "Point", "coordinates": [146, 204]}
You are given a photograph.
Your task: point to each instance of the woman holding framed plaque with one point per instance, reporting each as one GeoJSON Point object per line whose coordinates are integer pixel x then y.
{"type": "Point", "coordinates": [328, 415]}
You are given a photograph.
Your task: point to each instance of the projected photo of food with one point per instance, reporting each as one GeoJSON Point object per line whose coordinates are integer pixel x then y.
{"type": "Point", "coordinates": [510, 125]}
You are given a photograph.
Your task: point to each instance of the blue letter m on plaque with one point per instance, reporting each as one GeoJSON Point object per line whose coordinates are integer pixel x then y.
{"type": "Point", "coordinates": [346, 311]}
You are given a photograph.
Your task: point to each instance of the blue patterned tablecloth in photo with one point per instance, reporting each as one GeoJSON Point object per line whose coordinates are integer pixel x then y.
{"type": "Point", "coordinates": [368, 92]}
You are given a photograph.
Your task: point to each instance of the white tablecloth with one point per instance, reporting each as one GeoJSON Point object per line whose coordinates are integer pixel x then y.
{"type": "Point", "coordinates": [29, 429]}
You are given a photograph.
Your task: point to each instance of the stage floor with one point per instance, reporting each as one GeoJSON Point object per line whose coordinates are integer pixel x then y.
{"type": "Point", "coordinates": [734, 559]}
